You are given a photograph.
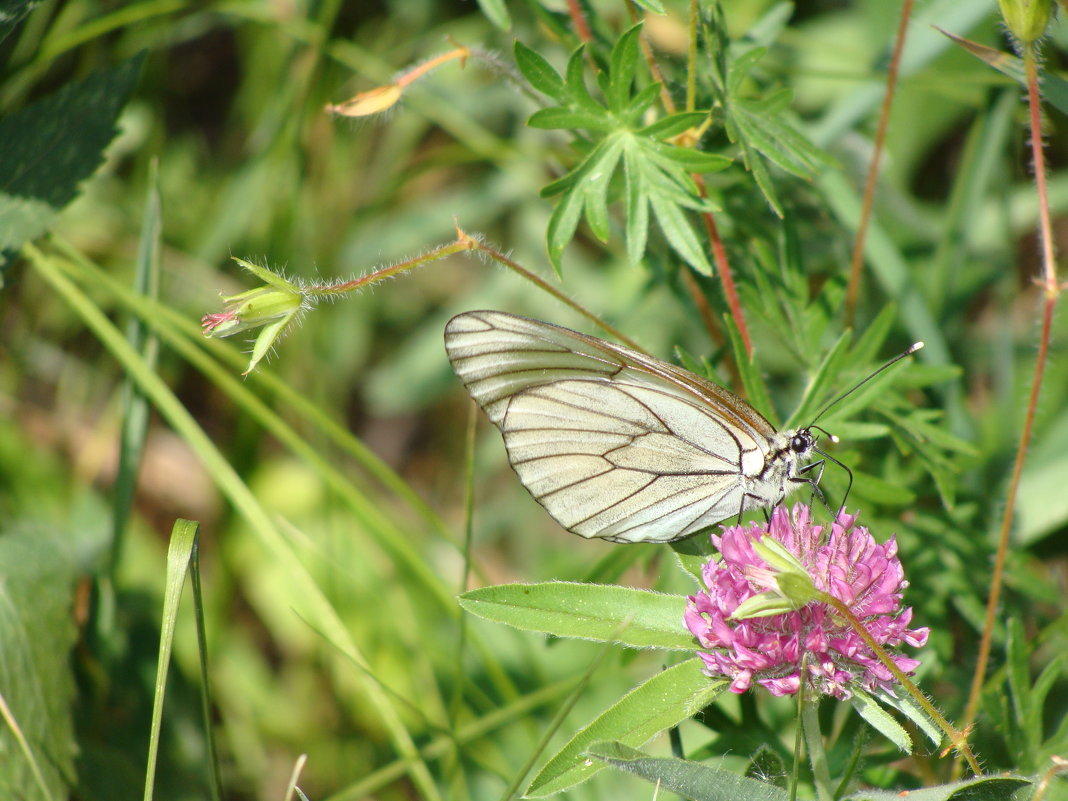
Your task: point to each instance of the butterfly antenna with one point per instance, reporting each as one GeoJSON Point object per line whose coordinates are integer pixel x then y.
{"type": "Point", "coordinates": [907, 352]}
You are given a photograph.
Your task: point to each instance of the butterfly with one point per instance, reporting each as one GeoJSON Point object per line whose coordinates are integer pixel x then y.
{"type": "Point", "coordinates": [619, 445]}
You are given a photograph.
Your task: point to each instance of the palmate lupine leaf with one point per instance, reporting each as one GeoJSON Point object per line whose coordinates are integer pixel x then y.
{"type": "Point", "coordinates": [655, 172]}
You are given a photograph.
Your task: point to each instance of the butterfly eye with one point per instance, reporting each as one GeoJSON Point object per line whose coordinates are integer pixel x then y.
{"type": "Point", "coordinates": [801, 442]}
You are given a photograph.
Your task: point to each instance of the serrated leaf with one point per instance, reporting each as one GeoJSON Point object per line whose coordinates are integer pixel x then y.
{"type": "Point", "coordinates": [665, 700]}
{"type": "Point", "coordinates": [623, 62]}
{"type": "Point", "coordinates": [48, 148]}
{"type": "Point", "coordinates": [689, 779]}
{"type": "Point", "coordinates": [880, 720]}
{"type": "Point", "coordinates": [539, 72]}
{"type": "Point", "coordinates": [602, 612]}
{"type": "Point", "coordinates": [36, 635]}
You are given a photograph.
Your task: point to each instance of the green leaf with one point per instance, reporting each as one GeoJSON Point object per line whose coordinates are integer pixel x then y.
{"type": "Point", "coordinates": [816, 393]}
{"type": "Point", "coordinates": [693, 160]}
{"type": "Point", "coordinates": [559, 117]}
{"type": "Point", "coordinates": [636, 208]}
{"type": "Point", "coordinates": [595, 186]}
{"type": "Point", "coordinates": [983, 788]}
{"type": "Point", "coordinates": [36, 636]}
{"type": "Point", "coordinates": [673, 124]}
{"type": "Point", "coordinates": [539, 72]}
{"type": "Point", "coordinates": [48, 148]}
{"type": "Point", "coordinates": [689, 779]}
{"type": "Point", "coordinates": [1053, 88]}
{"type": "Point", "coordinates": [575, 84]}
{"type": "Point", "coordinates": [562, 225]}
{"type": "Point", "coordinates": [880, 720]}
{"type": "Point", "coordinates": [665, 700]}
{"type": "Point", "coordinates": [680, 233]}
{"type": "Point", "coordinates": [603, 612]}
{"type": "Point", "coordinates": [651, 5]}
{"type": "Point", "coordinates": [768, 132]}
{"type": "Point", "coordinates": [639, 104]}
{"type": "Point", "coordinates": [909, 708]}
{"type": "Point", "coordinates": [755, 390]}
{"type": "Point", "coordinates": [622, 64]}
{"type": "Point", "coordinates": [497, 13]}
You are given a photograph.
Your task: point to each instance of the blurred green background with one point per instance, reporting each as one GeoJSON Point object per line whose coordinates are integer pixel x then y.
{"type": "Point", "coordinates": [230, 105]}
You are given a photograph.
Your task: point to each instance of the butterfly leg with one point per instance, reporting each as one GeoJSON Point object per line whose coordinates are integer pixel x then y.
{"type": "Point", "coordinates": [813, 481]}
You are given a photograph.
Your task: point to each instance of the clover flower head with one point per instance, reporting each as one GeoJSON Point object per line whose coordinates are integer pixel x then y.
{"type": "Point", "coordinates": [773, 649]}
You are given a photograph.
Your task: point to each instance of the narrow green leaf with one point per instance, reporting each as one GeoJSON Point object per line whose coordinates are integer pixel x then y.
{"type": "Point", "coordinates": [680, 233]}
{"type": "Point", "coordinates": [689, 779]}
{"type": "Point", "coordinates": [575, 84]}
{"type": "Point", "coordinates": [694, 160]}
{"type": "Point", "coordinates": [880, 720]}
{"type": "Point", "coordinates": [602, 612]}
{"type": "Point", "coordinates": [497, 13]}
{"type": "Point", "coordinates": [907, 707]}
{"type": "Point", "coordinates": [562, 225]}
{"type": "Point", "coordinates": [651, 5]}
{"type": "Point", "coordinates": [559, 117]}
{"type": "Point", "coordinates": [757, 169]}
{"type": "Point", "coordinates": [818, 389]}
{"type": "Point", "coordinates": [870, 343]}
{"type": "Point", "coordinates": [740, 69]}
{"type": "Point", "coordinates": [539, 72]}
{"type": "Point", "coordinates": [595, 185]}
{"type": "Point", "coordinates": [622, 64]}
{"type": "Point", "coordinates": [673, 124]}
{"type": "Point", "coordinates": [754, 388]}
{"type": "Point", "coordinates": [1018, 672]}
{"type": "Point", "coordinates": [665, 700]}
{"type": "Point", "coordinates": [636, 208]}
{"type": "Point", "coordinates": [631, 115]}
{"type": "Point", "coordinates": [184, 535]}
{"type": "Point", "coordinates": [776, 139]}
{"type": "Point", "coordinates": [1053, 88]}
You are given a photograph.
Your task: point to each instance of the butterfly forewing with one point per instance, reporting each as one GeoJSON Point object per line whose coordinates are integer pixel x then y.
{"type": "Point", "coordinates": [613, 443]}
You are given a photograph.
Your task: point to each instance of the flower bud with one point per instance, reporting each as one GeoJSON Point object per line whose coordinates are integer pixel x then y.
{"type": "Point", "coordinates": [1026, 19]}
{"type": "Point", "coordinates": [272, 306]}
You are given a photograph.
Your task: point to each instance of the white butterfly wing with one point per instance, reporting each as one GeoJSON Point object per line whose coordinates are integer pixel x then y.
{"type": "Point", "coordinates": [613, 443]}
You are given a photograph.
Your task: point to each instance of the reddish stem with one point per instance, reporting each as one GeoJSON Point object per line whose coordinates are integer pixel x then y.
{"type": "Point", "coordinates": [857, 262]}
{"type": "Point", "coordinates": [578, 19]}
{"type": "Point", "coordinates": [1051, 291]}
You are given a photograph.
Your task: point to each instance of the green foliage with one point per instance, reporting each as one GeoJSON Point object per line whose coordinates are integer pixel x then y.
{"type": "Point", "coordinates": [328, 482]}
{"type": "Point", "coordinates": [656, 172]}
{"type": "Point", "coordinates": [49, 147]}
{"type": "Point", "coordinates": [36, 635]}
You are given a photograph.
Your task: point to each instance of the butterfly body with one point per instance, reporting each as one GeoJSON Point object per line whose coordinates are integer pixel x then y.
{"type": "Point", "coordinates": [614, 443]}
